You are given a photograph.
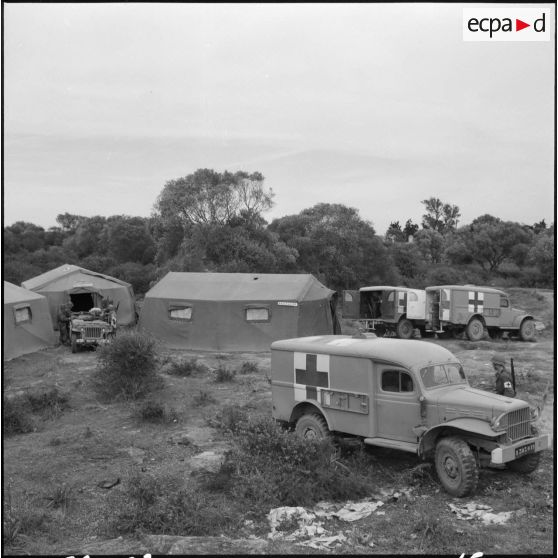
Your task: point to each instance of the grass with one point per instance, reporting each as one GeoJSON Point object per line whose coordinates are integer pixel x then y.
{"type": "Point", "coordinates": [224, 374]}
{"type": "Point", "coordinates": [202, 398]}
{"type": "Point", "coordinates": [184, 368]}
{"type": "Point", "coordinates": [248, 367]}
{"type": "Point", "coordinates": [21, 517]}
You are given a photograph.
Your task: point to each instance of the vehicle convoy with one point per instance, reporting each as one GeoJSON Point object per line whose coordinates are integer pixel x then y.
{"type": "Point", "coordinates": [93, 328]}
{"type": "Point", "coordinates": [386, 309]}
{"type": "Point", "coordinates": [447, 309]}
{"type": "Point", "coordinates": [406, 395]}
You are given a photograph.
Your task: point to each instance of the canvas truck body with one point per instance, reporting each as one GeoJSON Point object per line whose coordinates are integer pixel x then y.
{"type": "Point", "coordinates": [475, 310]}
{"type": "Point", "coordinates": [406, 395]}
{"type": "Point", "coordinates": [382, 309]}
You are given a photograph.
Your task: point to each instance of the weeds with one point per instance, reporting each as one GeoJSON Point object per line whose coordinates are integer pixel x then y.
{"type": "Point", "coordinates": [126, 368]}
{"type": "Point", "coordinates": [16, 415]}
{"type": "Point", "coordinates": [20, 517]}
{"type": "Point", "coordinates": [60, 498]}
{"type": "Point", "coordinates": [224, 374]}
{"type": "Point", "coordinates": [203, 398]}
{"type": "Point", "coordinates": [229, 419]}
{"type": "Point", "coordinates": [50, 403]}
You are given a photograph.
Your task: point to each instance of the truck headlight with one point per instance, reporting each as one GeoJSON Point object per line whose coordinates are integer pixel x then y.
{"type": "Point", "coordinates": [535, 413]}
{"type": "Point", "coordinates": [495, 423]}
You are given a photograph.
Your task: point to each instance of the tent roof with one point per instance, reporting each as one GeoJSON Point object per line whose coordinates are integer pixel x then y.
{"type": "Point", "coordinates": [13, 293]}
{"type": "Point", "coordinates": [239, 286]}
{"type": "Point", "coordinates": [63, 271]}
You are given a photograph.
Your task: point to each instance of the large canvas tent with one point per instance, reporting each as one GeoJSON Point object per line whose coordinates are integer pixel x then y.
{"type": "Point", "coordinates": [236, 311]}
{"type": "Point", "coordinates": [84, 289]}
{"type": "Point", "coordinates": [27, 325]}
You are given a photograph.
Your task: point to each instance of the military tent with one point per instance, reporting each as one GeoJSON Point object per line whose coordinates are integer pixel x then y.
{"type": "Point", "coordinates": [84, 289]}
{"type": "Point", "coordinates": [236, 311]}
{"type": "Point", "coordinates": [27, 325]}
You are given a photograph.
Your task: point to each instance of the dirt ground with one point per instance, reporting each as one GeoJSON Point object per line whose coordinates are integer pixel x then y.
{"type": "Point", "coordinates": [94, 445]}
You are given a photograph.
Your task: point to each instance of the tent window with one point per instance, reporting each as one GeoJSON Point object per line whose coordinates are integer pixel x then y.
{"type": "Point", "coordinates": [22, 315]}
{"type": "Point", "coordinates": [257, 314]}
{"type": "Point", "coordinates": [180, 313]}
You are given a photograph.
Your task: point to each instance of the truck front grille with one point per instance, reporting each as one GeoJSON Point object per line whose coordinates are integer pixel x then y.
{"type": "Point", "coordinates": [93, 333]}
{"type": "Point", "coordinates": [517, 424]}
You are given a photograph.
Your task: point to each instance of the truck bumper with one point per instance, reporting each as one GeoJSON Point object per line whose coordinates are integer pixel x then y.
{"type": "Point", "coordinates": [519, 449]}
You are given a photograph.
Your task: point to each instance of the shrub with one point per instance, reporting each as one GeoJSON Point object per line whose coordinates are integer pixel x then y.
{"type": "Point", "coordinates": [224, 374]}
{"type": "Point", "coordinates": [185, 368]}
{"type": "Point", "coordinates": [16, 415]}
{"type": "Point", "coordinates": [49, 402]}
{"type": "Point", "coordinates": [230, 419]}
{"type": "Point", "coordinates": [60, 497]}
{"type": "Point", "coordinates": [126, 368]}
{"type": "Point", "coordinates": [155, 411]}
{"type": "Point", "coordinates": [273, 467]}
{"type": "Point", "coordinates": [248, 367]}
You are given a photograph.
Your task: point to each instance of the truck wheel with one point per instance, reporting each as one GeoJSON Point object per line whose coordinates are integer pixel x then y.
{"type": "Point", "coordinates": [526, 464]}
{"type": "Point", "coordinates": [74, 343]}
{"type": "Point", "coordinates": [527, 330]}
{"type": "Point", "coordinates": [312, 427]}
{"type": "Point", "coordinates": [475, 330]}
{"type": "Point", "coordinates": [405, 329]}
{"type": "Point", "coordinates": [456, 466]}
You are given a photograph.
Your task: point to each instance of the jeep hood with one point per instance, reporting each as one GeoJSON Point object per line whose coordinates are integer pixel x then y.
{"type": "Point", "coordinates": [457, 402]}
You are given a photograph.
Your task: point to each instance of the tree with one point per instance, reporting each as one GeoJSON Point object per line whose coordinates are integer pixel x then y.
{"type": "Point", "coordinates": [68, 221]}
{"type": "Point", "coordinates": [394, 233]}
{"type": "Point", "coordinates": [430, 244]}
{"type": "Point", "coordinates": [410, 229]}
{"type": "Point", "coordinates": [25, 236]}
{"type": "Point", "coordinates": [409, 261]}
{"type": "Point", "coordinates": [89, 237]}
{"type": "Point", "coordinates": [439, 216]}
{"type": "Point", "coordinates": [336, 246]}
{"type": "Point", "coordinates": [543, 254]}
{"type": "Point", "coordinates": [209, 197]}
{"type": "Point", "coordinates": [488, 241]}
{"type": "Point", "coordinates": [129, 239]}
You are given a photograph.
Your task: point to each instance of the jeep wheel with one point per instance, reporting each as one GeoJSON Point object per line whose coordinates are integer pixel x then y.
{"type": "Point", "coordinates": [312, 427]}
{"type": "Point", "coordinates": [405, 329]}
{"type": "Point", "coordinates": [527, 330]}
{"type": "Point", "coordinates": [456, 467]}
{"type": "Point", "coordinates": [526, 464]}
{"type": "Point", "coordinates": [475, 330]}
{"type": "Point", "coordinates": [74, 343]}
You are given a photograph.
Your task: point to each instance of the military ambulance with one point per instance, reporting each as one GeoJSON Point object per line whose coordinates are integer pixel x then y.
{"type": "Point", "coordinates": [406, 395]}
{"type": "Point", "coordinates": [473, 310]}
{"type": "Point", "coordinates": [385, 309]}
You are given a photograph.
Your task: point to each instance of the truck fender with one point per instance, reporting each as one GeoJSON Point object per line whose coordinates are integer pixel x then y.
{"type": "Point", "coordinates": [518, 320]}
{"type": "Point", "coordinates": [461, 425]}
{"type": "Point", "coordinates": [307, 407]}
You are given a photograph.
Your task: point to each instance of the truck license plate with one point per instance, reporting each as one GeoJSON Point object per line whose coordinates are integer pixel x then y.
{"type": "Point", "coordinates": [524, 450]}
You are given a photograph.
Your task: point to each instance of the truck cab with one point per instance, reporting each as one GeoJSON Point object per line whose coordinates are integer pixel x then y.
{"type": "Point", "coordinates": [475, 310]}
{"type": "Point", "coordinates": [387, 309]}
{"type": "Point", "coordinates": [407, 395]}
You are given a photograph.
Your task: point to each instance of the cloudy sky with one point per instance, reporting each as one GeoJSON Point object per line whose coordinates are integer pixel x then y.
{"type": "Point", "coordinates": [376, 106]}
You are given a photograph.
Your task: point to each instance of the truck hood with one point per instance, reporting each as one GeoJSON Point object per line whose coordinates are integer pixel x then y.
{"type": "Point", "coordinates": [455, 402]}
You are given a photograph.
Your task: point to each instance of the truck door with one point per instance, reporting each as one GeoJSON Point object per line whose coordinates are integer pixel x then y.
{"type": "Point", "coordinates": [388, 305]}
{"type": "Point", "coordinates": [397, 404]}
{"type": "Point", "coordinates": [416, 305]}
{"type": "Point", "coordinates": [351, 305]}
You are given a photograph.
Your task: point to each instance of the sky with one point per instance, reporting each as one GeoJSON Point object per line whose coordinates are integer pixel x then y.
{"type": "Point", "coordinates": [375, 106]}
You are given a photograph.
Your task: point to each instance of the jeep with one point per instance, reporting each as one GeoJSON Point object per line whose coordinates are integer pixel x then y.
{"type": "Point", "coordinates": [407, 395]}
{"type": "Point", "coordinates": [91, 329]}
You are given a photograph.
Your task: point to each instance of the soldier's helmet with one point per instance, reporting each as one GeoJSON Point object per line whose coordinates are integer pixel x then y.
{"type": "Point", "coordinates": [498, 360]}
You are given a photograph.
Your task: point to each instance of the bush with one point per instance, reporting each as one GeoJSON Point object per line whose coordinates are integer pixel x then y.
{"type": "Point", "coordinates": [230, 419]}
{"type": "Point", "coordinates": [272, 467]}
{"type": "Point", "coordinates": [16, 415]}
{"type": "Point", "coordinates": [203, 398]}
{"type": "Point", "coordinates": [155, 411]}
{"type": "Point", "coordinates": [248, 367]}
{"type": "Point", "coordinates": [224, 374]}
{"type": "Point", "coordinates": [185, 368]}
{"type": "Point", "coordinates": [126, 368]}
{"type": "Point", "coordinates": [49, 402]}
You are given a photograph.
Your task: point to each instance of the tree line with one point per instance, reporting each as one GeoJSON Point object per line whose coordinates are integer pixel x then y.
{"type": "Point", "coordinates": [212, 221]}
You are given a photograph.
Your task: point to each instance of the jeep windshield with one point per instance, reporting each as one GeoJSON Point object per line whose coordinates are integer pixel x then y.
{"type": "Point", "coordinates": [442, 375]}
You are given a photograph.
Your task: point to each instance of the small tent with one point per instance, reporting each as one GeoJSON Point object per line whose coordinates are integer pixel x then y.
{"type": "Point", "coordinates": [236, 311]}
{"type": "Point", "coordinates": [27, 324]}
{"type": "Point", "coordinates": [84, 289]}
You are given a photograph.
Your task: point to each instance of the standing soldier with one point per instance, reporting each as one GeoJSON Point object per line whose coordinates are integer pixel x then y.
{"type": "Point", "coordinates": [64, 315]}
{"type": "Point", "coordinates": [503, 381]}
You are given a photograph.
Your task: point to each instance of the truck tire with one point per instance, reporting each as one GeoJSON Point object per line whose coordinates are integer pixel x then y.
{"type": "Point", "coordinates": [74, 343]}
{"type": "Point", "coordinates": [475, 330]}
{"type": "Point", "coordinates": [312, 426]}
{"type": "Point", "coordinates": [456, 466]}
{"type": "Point", "coordinates": [527, 330]}
{"type": "Point", "coordinates": [405, 329]}
{"type": "Point", "coordinates": [526, 464]}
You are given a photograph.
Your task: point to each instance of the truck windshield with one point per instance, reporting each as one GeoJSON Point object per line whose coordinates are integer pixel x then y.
{"type": "Point", "coordinates": [442, 375]}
